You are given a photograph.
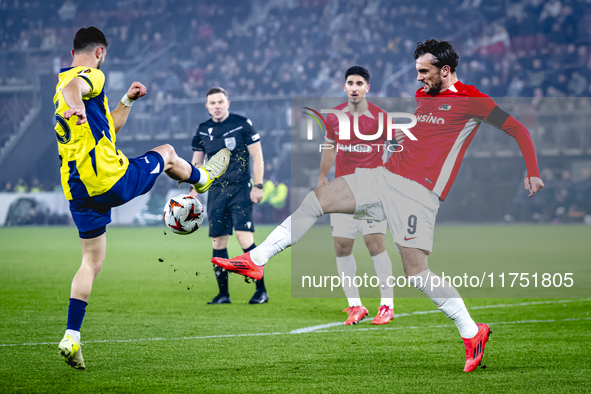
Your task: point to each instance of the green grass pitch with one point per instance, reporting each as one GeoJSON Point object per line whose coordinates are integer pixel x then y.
{"type": "Point", "coordinates": [148, 328]}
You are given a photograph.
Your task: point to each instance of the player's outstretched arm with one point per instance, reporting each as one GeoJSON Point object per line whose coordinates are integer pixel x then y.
{"type": "Point", "coordinates": [511, 126]}
{"type": "Point", "coordinates": [73, 93]}
{"type": "Point", "coordinates": [533, 182]}
{"type": "Point", "coordinates": [120, 114]}
{"type": "Point", "coordinates": [326, 161]}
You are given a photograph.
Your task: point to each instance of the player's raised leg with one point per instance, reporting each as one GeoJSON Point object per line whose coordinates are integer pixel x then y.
{"type": "Point", "coordinates": [93, 255]}
{"type": "Point", "coordinates": [181, 170]}
{"type": "Point", "coordinates": [334, 197]}
{"type": "Point", "coordinates": [448, 300]}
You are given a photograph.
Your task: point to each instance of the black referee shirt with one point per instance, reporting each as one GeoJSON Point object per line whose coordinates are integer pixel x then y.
{"type": "Point", "coordinates": [235, 133]}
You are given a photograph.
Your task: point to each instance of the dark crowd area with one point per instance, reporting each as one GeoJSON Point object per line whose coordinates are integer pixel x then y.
{"type": "Point", "coordinates": [301, 47]}
{"type": "Point", "coordinates": [533, 55]}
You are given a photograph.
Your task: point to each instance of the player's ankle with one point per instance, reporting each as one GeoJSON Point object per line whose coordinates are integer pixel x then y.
{"type": "Point", "coordinates": [389, 302]}
{"type": "Point", "coordinates": [256, 257]}
{"type": "Point", "coordinates": [203, 178]}
{"type": "Point", "coordinates": [74, 334]}
{"type": "Point", "coordinates": [353, 302]}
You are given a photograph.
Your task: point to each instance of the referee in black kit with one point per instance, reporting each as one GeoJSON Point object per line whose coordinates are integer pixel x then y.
{"type": "Point", "coordinates": [230, 199]}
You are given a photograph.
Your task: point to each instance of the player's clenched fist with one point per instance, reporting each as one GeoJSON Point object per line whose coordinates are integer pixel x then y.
{"type": "Point", "coordinates": [136, 90]}
{"type": "Point", "coordinates": [79, 112]}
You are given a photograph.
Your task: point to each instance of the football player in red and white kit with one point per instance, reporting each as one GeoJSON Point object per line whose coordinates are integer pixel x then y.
{"type": "Point", "coordinates": [349, 155]}
{"type": "Point", "coordinates": [407, 190]}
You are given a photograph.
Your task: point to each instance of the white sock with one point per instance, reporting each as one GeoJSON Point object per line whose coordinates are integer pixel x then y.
{"type": "Point", "coordinates": [290, 231]}
{"type": "Point", "coordinates": [447, 299]}
{"type": "Point", "coordinates": [347, 268]}
{"type": "Point", "coordinates": [455, 309]}
{"type": "Point", "coordinates": [74, 334]}
{"type": "Point", "coordinates": [383, 267]}
{"type": "Point", "coordinates": [354, 302]}
{"type": "Point", "coordinates": [202, 177]}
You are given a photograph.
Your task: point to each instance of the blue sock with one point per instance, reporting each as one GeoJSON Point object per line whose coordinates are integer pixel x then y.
{"type": "Point", "coordinates": [76, 312]}
{"type": "Point", "coordinates": [195, 175]}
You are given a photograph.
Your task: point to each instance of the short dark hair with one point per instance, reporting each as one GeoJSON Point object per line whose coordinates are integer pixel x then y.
{"type": "Point", "coordinates": [216, 90]}
{"type": "Point", "coordinates": [357, 70]}
{"type": "Point", "coordinates": [444, 52]}
{"type": "Point", "coordinates": [87, 38]}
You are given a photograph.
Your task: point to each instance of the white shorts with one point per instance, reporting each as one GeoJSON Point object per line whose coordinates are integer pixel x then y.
{"type": "Point", "coordinates": [345, 226]}
{"type": "Point", "coordinates": [410, 208]}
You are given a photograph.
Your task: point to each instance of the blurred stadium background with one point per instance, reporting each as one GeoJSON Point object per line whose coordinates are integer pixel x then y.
{"type": "Point", "coordinates": [533, 55]}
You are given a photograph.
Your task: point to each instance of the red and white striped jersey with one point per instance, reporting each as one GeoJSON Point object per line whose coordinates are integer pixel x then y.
{"type": "Point", "coordinates": [446, 125]}
{"type": "Point", "coordinates": [354, 152]}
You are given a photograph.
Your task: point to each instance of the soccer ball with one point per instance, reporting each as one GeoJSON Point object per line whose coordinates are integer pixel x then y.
{"type": "Point", "coordinates": [183, 214]}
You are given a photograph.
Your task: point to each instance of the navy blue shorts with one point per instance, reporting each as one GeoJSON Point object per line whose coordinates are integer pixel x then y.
{"type": "Point", "coordinates": [92, 214]}
{"type": "Point", "coordinates": [229, 207]}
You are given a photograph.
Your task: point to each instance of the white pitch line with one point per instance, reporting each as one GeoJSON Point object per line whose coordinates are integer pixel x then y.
{"type": "Point", "coordinates": [322, 327]}
{"type": "Point", "coordinates": [314, 328]}
{"type": "Point", "coordinates": [452, 325]}
{"type": "Point", "coordinates": [497, 306]}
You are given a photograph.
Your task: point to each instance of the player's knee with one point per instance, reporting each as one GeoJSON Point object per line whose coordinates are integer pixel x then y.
{"type": "Point", "coordinates": [343, 249]}
{"type": "Point", "coordinates": [167, 152]}
{"type": "Point", "coordinates": [94, 264]}
{"type": "Point", "coordinates": [375, 247]}
{"type": "Point", "coordinates": [170, 152]}
{"type": "Point", "coordinates": [342, 252]}
{"type": "Point", "coordinates": [313, 204]}
{"type": "Point", "coordinates": [98, 266]}
{"type": "Point", "coordinates": [375, 250]}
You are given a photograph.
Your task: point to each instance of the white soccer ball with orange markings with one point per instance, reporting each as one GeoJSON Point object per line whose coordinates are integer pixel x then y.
{"type": "Point", "coordinates": [183, 214]}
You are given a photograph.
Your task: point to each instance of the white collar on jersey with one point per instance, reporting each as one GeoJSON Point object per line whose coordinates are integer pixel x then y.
{"type": "Point", "coordinates": [366, 113]}
{"type": "Point", "coordinates": [452, 88]}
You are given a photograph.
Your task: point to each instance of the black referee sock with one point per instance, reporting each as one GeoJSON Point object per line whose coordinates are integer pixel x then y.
{"type": "Point", "coordinates": [260, 284]}
{"type": "Point", "coordinates": [221, 275]}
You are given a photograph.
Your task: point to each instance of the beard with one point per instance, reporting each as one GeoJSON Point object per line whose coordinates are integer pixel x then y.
{"type": "Point", "coordinates": [435, 87]}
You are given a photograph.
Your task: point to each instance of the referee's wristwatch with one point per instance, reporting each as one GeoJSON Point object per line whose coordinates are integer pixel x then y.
{"type": "Point", "coordinates": [258, 185]}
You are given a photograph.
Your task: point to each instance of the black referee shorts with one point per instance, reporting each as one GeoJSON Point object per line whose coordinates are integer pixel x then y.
{"type": "Point", "coordinates": [229, 207]}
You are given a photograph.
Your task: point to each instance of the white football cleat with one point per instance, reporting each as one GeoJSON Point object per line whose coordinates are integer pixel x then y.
{"type": "Point", "coordinates": [214, 168]}
{"type": "Point", "coordinates": [71, 352]}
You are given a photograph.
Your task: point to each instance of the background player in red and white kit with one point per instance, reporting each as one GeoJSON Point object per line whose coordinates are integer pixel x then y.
{"type": "Point", "coordinates": [351, 154]}
{"type": "Point", "coordinates": [408, 189]}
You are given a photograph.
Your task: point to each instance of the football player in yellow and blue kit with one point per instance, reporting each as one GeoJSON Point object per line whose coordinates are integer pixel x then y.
{"type": "Point", "coordinates": [95, 175]}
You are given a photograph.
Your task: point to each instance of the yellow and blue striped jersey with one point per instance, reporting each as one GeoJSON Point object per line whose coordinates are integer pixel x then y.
{"type": "Point", "coordinates": [91, 164]}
